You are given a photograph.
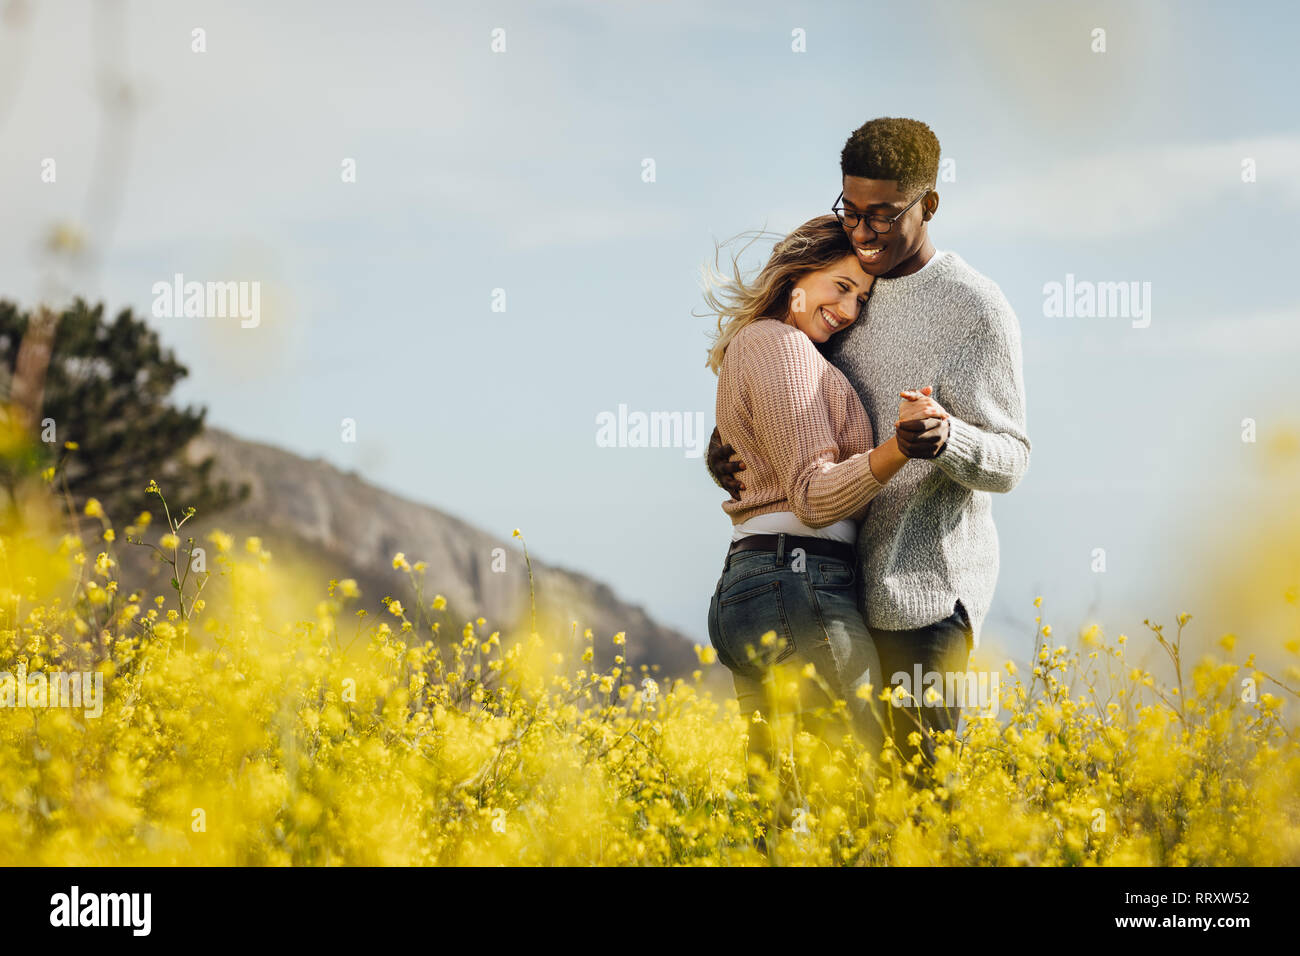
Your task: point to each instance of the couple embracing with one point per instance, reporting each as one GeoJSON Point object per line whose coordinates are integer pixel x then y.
{"type": "Point", "coordinates": [870, 398]}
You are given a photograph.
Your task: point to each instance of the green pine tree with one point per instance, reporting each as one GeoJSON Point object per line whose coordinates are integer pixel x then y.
{"type": "Point", "coordinates": [106, 389]}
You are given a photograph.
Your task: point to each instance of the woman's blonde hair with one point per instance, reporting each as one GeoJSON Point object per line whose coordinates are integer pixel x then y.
{"type": "Point", "coordinates": [737, 302]}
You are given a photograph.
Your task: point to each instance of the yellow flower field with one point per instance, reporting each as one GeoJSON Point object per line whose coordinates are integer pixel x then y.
{"type": "Point", "coordinates": [231, 736]}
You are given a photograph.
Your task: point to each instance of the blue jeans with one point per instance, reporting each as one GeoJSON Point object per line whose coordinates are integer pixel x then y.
{"type": "Point", "coordinates": [814, 612]}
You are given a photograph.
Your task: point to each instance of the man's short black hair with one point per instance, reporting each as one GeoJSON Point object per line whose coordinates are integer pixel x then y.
{"type": "Point", "coordinates": [904, 150]}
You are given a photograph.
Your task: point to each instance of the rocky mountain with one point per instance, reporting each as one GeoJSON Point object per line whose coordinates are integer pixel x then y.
{"type": "Point", "coordinates": [310, 512]}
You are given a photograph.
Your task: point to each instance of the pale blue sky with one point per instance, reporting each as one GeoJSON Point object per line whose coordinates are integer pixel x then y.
{"type": "Point", "coordinates": [522, 171]}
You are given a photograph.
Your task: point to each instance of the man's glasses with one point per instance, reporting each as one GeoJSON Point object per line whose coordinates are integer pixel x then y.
{"type": "Point", "coordinates": [850, 219]}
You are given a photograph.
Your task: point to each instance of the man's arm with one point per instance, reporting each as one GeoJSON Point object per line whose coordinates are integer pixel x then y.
{"type": "Point", "coordinates": [721, 468]}
{"type": "Point", "coordinates": [985, 446]}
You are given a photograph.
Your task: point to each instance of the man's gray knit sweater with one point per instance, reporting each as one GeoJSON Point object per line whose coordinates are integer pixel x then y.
{"type": "Point", "coordinates": [928, 540]}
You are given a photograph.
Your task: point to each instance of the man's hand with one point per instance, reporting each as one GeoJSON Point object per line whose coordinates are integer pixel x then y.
{"type": "Point", "coordinates": [722, 468]}
{"type": "Point", "coordinates": [922, 428]}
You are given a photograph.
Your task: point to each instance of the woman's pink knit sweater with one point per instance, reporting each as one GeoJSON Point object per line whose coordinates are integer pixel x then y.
{"type": "Point", "coordinates": [797, 424]}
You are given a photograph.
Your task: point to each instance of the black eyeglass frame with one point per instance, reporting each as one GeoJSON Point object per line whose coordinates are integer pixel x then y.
{"type": "Point", "coordinates": [841, 214]}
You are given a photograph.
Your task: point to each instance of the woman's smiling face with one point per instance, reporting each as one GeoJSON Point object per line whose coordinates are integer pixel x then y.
{"type": "Point", "coordinates": [828, 300]}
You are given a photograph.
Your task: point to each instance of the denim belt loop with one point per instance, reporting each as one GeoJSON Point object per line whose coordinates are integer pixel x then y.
{"type": "Point", "coordinates": [780, 550]}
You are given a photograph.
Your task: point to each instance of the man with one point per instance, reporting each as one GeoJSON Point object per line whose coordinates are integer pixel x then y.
{"type": "Point", "coordinates": [928, 549]}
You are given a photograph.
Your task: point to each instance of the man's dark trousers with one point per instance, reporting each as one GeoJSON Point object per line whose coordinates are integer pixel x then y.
{"type": "Point", "coordinates": [942, 647]}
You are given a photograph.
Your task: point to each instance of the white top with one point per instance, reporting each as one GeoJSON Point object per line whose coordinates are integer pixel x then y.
{"type": "Point", "coordinates": [784, 522]}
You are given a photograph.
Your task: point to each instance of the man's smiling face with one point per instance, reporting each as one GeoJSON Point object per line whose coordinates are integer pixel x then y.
{"type": "Point", "coordinates": [882, 253]}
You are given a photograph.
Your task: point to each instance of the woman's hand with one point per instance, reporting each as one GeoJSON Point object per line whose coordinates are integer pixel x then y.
{"type": "Point", "coordinates": [917, 405]}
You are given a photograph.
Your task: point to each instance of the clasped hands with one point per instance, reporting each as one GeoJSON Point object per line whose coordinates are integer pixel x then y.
{"type": "Point", "coordinates": [922, 426]}
{"type": "Point", "coordinates": [921, 431]}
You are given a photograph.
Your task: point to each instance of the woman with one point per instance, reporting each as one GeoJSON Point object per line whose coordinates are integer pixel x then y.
{"type": "Point", "coordinates": [811, 471]}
